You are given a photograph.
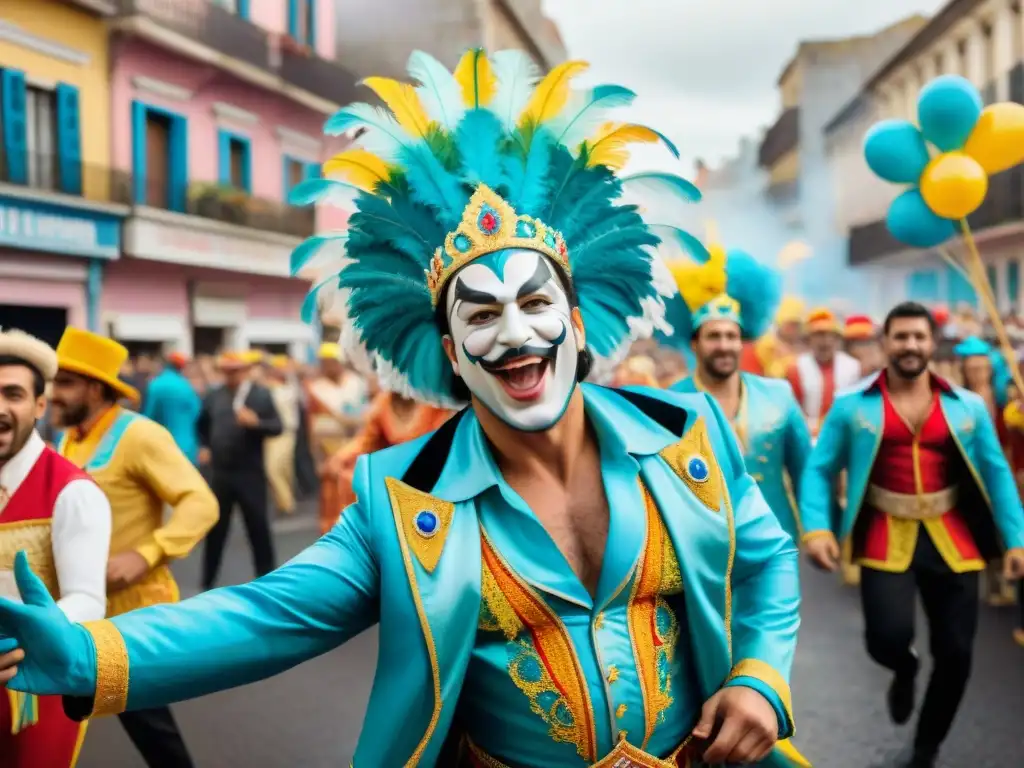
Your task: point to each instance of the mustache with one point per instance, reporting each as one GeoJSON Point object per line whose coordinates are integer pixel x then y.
{"type": "Point", "coordinates": [546, 353]}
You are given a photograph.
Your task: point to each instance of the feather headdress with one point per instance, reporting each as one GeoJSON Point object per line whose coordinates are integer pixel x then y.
{"type": "Point", "coordinates": [727, 285]}
{"type": "Point", "coordinates": [488, 157]}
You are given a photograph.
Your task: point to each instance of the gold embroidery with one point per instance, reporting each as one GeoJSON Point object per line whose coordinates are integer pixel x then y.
{"type": "Point", "coordinates": [623, 755]}
{"type": "Point", "coordinates": [599, 621]}
{"type": "Point", "coordinates": [409, 503]}
{"type": "Point", "coordinates": [496, 613]}
{"type": "Point", "coordinates": [697, 444]}
{"type": "Point", "coordinates": [613, 673]}
{"type": "Point", "coordinates": [111, 668]}
{"type": "Point", "coordinates": [545, 667]}
{"type": "Point", "coordinates": [653, 628]}
{"type": "Point", "coordinates": [155, 588]}
{"type": "Point", "coordinates": [32, 536]}
{"type": "Point", "coordinates": [620, 711]}
{"type": "Point", "coordinates": [767, 674]}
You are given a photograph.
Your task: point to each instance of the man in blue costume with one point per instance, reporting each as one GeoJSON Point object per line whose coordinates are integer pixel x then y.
{"type": "Point", "coordinates": [930, 498]}
{"type": "Point", "coordinates": [722, 303]}
{"type": "Point", "coordinates": [563, 574]}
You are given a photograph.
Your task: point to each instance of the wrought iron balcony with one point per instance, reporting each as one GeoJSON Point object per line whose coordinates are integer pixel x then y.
{"type": "Point", "coordinates": [1004, 205]}
{"type": "Point", "coordinates": [781, 138]}
{"type": "Point", "coordinates": [327, 79]}
{"type": "Point", "coordinates": [207, 23]}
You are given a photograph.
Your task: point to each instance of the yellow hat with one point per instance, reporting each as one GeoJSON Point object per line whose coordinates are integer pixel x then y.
{"type": "Point", "coordinates": [95, 357]}
{"type": "Point", "coordinates": [791, 310]}
{"type": "Point", "coordinates": [279, 361]}
{"type": "Point", "coordinates": [234, 360]}
{"type": "Point", "coordinates": [329, 350]}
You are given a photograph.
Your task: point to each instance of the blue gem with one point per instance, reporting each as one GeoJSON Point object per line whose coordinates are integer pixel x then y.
{"type": "Point", "coordinates": [724, 309]}
{"type": "Point", "coordinates": [549, 240]}
{"type": "Point", "coordinates": [462, 243]}
{"type": "Point", "coordinates": [525, 229]}
{"type": "Point", "coordinates": [697, 469]}
{"type": "Point", "coordinates": [426, 523]}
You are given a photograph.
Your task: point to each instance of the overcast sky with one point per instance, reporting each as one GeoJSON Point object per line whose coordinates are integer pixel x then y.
{"type": "Point", "coordinates": [705, 70]}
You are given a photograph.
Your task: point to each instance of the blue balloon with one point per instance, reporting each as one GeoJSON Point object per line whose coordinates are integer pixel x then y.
{"type": "Point", "coordinates": [948, 109]}
{"type": "Point", "coordinates": [911, 221]}
{"type": "Point", "coordinates": [896, 151]}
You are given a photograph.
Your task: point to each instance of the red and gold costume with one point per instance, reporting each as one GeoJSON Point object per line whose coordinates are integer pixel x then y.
{"type": "Point", "coordinates": [910, 482]}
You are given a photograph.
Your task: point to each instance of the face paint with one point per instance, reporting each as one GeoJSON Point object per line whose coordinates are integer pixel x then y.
{"type": "Point", "coordinates": [515, 344]}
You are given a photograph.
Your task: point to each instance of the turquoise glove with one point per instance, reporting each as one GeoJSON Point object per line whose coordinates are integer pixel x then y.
{"type": "Point", "coordinates": [59, 656]}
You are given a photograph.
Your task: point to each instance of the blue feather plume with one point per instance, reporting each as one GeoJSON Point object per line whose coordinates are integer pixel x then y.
{"type": "Point", "coordinates": [478, 137]}
{"type": "Point", "coordinates": [431, 185]}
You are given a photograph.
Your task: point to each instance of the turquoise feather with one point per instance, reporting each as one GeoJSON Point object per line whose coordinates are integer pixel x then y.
{"type": "Point", "coordinates": [756, 287]}
{"type": "Point", "coordinates": [590, 113]}
{"type": "Point", "coordinates": [308, 249]}
{"type": "Point", "coordinates": [680, 244]}
{"type": "Point", "coordinates": [332, 191]}
{"type": "Point", "coordinates": [431, 185]}
{"type": "Point", "coordinates": [477, 138]}
{"type": "Point", "coordinates": [384, 137]}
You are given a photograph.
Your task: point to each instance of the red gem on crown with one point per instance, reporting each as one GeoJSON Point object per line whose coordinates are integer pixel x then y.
{"type": "Point", "coordinates": [561, 248]}
{"type": "Point", "coordinates": [489, 223]}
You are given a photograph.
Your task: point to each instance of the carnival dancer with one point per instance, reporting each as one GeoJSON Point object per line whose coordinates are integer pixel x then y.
{"type": "Point", "coordinates": [55, 512]}
{"type": "Point", "coordinates": [930, 498]}
{"type": "Point", "coordinates": [237, 419]}
{"type": "Point", "coordinates": [765, 418]}
{"type": "Point", "coordinates": [860, 341]}
{"type": "Point", "coordinates": [391, 420]}
{"type": "Point", "coordinates": [816, 375]}
{"type": "Point", "coordinates": [490, 259]}
{"type": "Point", "coordinates": [137, 464]}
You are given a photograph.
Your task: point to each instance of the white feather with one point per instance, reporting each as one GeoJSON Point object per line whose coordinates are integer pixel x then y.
{"type": "Point", "coordinates": [383, 136]}
{"type": "Point", "coordinates": [439, 91]}
{"type": "Point", "coordinates": [517, 75]}
{"type": "Point", "coordinates": [584, 115]}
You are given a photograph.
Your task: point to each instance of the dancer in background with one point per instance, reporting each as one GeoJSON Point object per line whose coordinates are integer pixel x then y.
{"type": "Point", "coordinates": [860, 341]}
{"type": "Point", "coordinates": [173, 403]}
{"type": "Point", "coordinates": [930, 499]}
{"type": "Point", "coordinates": [280, 450]}
{"type": "Point", "coordinates": [765, 418]}
{"type": "Point", "coordinates": [54, 512]}
{"type": "Point", "coordinates": [140, 468]}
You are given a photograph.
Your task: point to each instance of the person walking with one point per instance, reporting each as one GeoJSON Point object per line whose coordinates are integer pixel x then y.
{"type": "Point", "coordinates": [174, 404]}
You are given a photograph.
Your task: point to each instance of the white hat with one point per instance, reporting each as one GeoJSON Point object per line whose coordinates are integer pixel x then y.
{"type": "Point", "coordinates": [33, 351]}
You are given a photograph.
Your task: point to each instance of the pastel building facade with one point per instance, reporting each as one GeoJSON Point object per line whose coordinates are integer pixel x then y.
{"type": "Point", "coordinates": [61, 203]}
{"type": "Point", "coordinates": [216, 112]}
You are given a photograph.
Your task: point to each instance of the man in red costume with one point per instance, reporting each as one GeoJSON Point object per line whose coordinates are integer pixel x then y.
{"type": "Point", "coordinates": [53, 511]}
{"type": "Point", "coordinates": [818, 374]}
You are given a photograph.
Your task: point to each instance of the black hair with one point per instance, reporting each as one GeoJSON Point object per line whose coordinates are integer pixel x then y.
{"type": "Point", "coordinates": [909, 310]}
{"type": "Point", "coordinates": [109, 394]}
{"type": "Point", "coordinates": [584, 361]}
{"type": "Point", "coordinates": [38, 382]}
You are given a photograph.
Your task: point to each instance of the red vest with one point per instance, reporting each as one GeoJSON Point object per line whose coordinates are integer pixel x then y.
{"type": "Point", "coordinates": [37, 494]}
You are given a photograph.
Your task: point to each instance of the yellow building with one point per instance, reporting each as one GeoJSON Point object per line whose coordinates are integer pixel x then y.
{"type": "Point", "coordinates": [60, 211]}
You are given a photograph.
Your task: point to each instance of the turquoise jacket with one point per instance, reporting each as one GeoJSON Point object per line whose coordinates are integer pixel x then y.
{"type": "Point", "coordinates": [739, 571]}
{"type": "Point", "coordinates": [850, 437]}
{"type": "Point", "coordinates": [775, 440]}
{"type": "Point", "coordinates": [173, 403]}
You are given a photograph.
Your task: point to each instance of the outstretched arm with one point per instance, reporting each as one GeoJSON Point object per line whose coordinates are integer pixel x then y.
{"type": "Point", "coordinates": [219, 640]}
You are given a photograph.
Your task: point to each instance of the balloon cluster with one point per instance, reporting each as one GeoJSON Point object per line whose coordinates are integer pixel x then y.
{"type": "Point", "coordinates": [972, 142]}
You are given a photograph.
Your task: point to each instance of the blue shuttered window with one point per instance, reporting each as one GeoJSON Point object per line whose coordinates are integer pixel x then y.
{"type": "Point", "coordinates": [69, 140]}
{"type": "Point", "coordinates": [15, 132]}
{"type": "Point", "coordinates": [294, 167]}
{"type": "Point", "coordinates": [302, 21]}
{"type": "Point", "coordinates": [243, 9]}
{"type": "Point", "coordinates": [228, 144]}
{"type": "Point", "coordinates": [138, 153]}
{"type": "Point", "coordinates": [178, 177]}
{"type": "Point", "coordinates": [177, 157]}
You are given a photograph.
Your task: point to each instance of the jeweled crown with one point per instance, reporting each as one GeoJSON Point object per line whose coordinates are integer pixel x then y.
{"type": "Point", "coordinates": [489, 224]}
{"type": "Point", "coordinates": [722, 307]}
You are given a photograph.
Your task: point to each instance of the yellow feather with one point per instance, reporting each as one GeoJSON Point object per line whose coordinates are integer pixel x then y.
{"type": "Point", "coordinates": [700, 283]}
{"type": "Point", "coordinates": [476, 78]}
{"type": "Point", "coordinates": [359, 168]}
{"type": "Point", "coordinates": [608, 148]}
{"type": "Point", "coordinates": [403, 102]}
{"type": "Point", "coordinates": [552, 93]}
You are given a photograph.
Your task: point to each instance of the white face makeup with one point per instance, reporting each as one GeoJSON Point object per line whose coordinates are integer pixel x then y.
{"type": "Point", "coordinates": [515, 345]}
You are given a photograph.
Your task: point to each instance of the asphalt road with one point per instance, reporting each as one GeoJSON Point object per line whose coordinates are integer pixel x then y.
{"type": "Point", "coordinates": [310, 717]}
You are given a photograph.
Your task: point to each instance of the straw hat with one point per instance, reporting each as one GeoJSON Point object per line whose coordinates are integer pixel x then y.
{"type": "Point", "coordinates": [95, 357]}
{"type": "Point", "coordinates": [33, 351]}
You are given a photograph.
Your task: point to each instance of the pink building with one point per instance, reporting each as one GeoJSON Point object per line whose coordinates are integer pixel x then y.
{"type": "Point", "coordinates": [217, 108]}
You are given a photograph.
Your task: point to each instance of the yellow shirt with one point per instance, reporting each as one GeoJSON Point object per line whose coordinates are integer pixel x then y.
{"type": "Point", "coordinates": [141, 470]}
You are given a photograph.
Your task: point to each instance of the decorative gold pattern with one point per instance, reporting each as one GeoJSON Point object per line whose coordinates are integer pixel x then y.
{"type": "Point", "coordinates": [623, 755]}
{"type": "Point", "coordinates": [620, 711]}
{"type": "Point", "coordinates": [696, 442]}
{"type": "Point", "coordinates": [111, 668]}
{"type": "Point", "coordinates": [32, 536]}
{"type": "Point", "coordinates": [546, 662]}
{"type": "Point", "coordinates": [613, 673]}
{"type": "Point", "coordinates": [768, 675]}
{"type": "Point", "coordinates": [407, 503]}
{"type": "Point", "coordinates": [496, 613]}
{"type": "Point", "coordinates": [653, 627]}
{"type": "Point", "coordinates": [450, 259]}
{"type": "Point", "coordinates": [155, 588]}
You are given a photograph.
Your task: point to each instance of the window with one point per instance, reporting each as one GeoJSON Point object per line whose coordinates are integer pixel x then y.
{"type": "Point", "coordinates": [238, 7]}
{"type": "Point", "coordinates": [302, 21]}
{"type": "Point", "coordinates": [41, 137]}
{"type": "Point", "coordinates": [1013, 285]}
{"type": "Point", "coordinates": [159, 157]}
{"type": "Point", "coordinates": [296, 171]}
{"type": "Point", "coordinates": [235, 161]}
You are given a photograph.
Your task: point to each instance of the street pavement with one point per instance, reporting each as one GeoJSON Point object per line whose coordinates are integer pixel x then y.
{"type": "Point", "coordinates": [310, 716]}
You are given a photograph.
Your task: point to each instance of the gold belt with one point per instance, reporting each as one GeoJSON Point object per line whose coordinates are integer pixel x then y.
{"type": "Point", "coordinates": [156, 587]}
{"type": "Point", "coordinates": [625, 755]}
{"type": "Point", "coordinates": [912, 506]}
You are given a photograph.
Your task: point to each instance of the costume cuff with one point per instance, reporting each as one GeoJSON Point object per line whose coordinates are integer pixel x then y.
{"type": "Point", "coordinates": [821, 532]}
{"type": "Point", "coordinates": [756, 674]}
{"type": "Point", "coordinates": [152, 552]}
{"type": "Point", "coordinates": [111, 668]}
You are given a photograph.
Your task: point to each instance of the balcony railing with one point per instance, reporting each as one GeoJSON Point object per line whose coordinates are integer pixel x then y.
{"type": "Point", "coordinates": [781, 138]}
{"type": "Point", "coordinates": [311, 73]}
{"type": "Point", "coordinates": [208, 24]}
{"type": "Point", "coordinates": [231, 206]}
{"type": "Point", "coordinates": [48, 173]}
{"type": "Point", "coordinates": [1004, 205]}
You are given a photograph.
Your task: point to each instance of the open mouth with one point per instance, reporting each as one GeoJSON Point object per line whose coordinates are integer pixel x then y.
{"type": "Point", "coordinates": [6, 428]}
{"type": "Point", "coordinates": [523, 378]}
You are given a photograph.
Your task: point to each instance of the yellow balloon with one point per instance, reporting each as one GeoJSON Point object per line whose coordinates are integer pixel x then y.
{"type": "Point", "coordinates": [997, 141]}
{"type": "Point", "coordinates": [954, 185]}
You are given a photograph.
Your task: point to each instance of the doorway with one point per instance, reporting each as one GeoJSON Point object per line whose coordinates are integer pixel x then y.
{"type": "Point", "coordinates": [207, 340]}
{"type": "Point", "coordinates": [45, 323]}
